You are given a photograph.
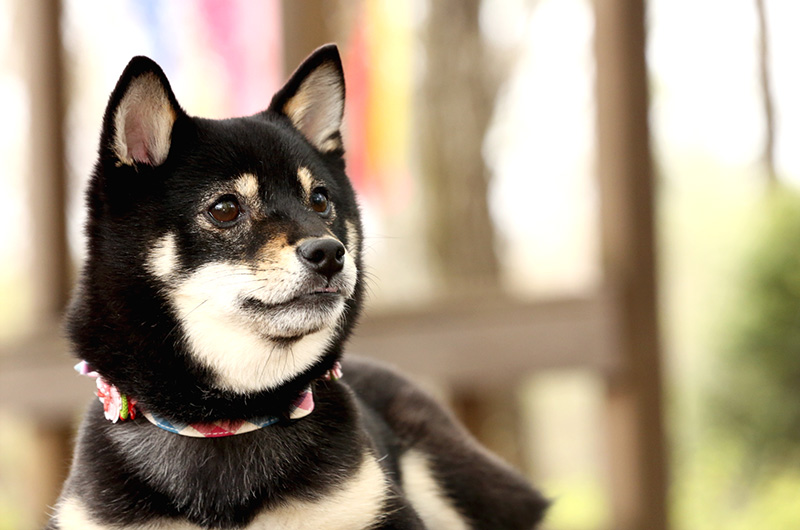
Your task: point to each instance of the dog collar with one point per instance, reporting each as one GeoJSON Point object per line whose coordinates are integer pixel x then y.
{"type": "Point", "coordinates": [120, 407]}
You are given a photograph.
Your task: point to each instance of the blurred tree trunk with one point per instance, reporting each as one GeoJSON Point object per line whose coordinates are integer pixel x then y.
{"type": "Point", "coordinates": [766, 93]}
{"type": "Point", "coordinates": [455, 105]}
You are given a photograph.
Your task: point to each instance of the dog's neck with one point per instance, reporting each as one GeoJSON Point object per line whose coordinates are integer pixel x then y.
{"type": "Point", "coordinates": [120, 407]}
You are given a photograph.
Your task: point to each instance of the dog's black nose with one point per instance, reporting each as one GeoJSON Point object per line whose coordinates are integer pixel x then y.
{"type": "Point", "coordinates": [323, 255]}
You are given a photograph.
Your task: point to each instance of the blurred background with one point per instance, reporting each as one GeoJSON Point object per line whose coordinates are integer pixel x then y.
{"type": "Point", "coordinates": [582, 227]}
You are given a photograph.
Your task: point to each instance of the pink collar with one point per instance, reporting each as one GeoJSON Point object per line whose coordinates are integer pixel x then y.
{"type": "Point", "coordinates": [119, 407]}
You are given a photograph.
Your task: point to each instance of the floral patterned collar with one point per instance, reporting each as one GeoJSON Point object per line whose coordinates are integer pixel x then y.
{"type": "Point", "coordinates": [120, 407]}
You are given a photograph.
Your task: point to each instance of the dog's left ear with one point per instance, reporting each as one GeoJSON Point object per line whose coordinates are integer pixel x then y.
{"type": "Point", "coordinates": [313, 99]}
{"type": "Point", "coordinates": [140, 115]}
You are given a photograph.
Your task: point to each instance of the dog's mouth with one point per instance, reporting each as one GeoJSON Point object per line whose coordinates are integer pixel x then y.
{"type": "Point", "coordinates": [304, 314]}
{"type": "Point", "coordinates": [323, 299]}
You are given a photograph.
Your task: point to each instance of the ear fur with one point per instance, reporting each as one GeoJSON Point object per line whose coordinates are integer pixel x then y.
{"type": "Point", "coordinates": [313, 99]}
{"type": "Point", "coordinates": [140, 115]}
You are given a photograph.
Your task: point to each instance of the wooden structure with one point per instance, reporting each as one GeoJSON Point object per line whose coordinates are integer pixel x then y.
{"type": "Point", "coordinates": [637, 456]}
{"type": "Point", "coordinates": [613, 332]}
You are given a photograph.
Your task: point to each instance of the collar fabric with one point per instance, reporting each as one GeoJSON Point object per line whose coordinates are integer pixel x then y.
{"type": "Point", "coordinates": [120, 407]}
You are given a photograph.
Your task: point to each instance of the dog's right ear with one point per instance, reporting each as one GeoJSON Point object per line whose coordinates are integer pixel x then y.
{"type": "Point", "coordinates": [137, 127]}
{"type": "Point", "coordinates": [313, 99]}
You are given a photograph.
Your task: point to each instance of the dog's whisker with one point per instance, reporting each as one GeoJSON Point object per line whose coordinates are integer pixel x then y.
{"type": "Point", "coordinates": [178, 324]}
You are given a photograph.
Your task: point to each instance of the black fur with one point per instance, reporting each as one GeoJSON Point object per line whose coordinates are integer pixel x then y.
{"type": "Point", "coordinates": [122, 322]}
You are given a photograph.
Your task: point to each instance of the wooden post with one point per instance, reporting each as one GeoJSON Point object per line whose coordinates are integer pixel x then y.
{"type": "Point", "coordinates": [639, 478]}
{"type": "Point", "coordinates": [53, 448]}
{"type": "Point", "coordinates": [43, 70]}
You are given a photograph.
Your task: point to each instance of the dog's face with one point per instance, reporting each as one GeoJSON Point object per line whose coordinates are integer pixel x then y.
{"type": "Point", "coordinates": [245, 231]}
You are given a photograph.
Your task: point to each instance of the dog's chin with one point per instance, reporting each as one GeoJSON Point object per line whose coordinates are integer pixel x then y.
{"type": "Point", "coordinates": [293, 319]}
{"type": "Point", "coordinates": [260, 346]}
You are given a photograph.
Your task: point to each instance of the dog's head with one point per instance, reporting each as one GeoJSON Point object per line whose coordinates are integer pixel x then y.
{"type": "Point", "coordinates": [224, 255]}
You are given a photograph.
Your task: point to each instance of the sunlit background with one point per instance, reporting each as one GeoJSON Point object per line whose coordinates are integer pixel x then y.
{"type": "Point", "coordinates": [724, 116]}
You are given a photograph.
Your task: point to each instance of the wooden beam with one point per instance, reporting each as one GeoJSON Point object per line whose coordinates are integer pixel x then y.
{"type": "Point", "coordinates": [491, 341]}
{"type": "Point", "coordinates": [482, 343]}
{"type": "Point", "coordinates": [639, 478]}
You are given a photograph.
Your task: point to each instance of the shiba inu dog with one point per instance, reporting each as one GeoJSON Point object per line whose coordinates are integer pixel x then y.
{"type": "Point", "coordinates": [222, 279]}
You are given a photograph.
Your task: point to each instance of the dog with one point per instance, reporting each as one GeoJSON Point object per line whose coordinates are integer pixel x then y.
{"type": "Point", "coordinates": [222, 279]}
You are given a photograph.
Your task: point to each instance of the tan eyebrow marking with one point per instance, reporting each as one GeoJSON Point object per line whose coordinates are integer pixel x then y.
{"type": "Point", "coordinates": [247, 186]}
{"type": "Point", "coordinates": [306, 180]}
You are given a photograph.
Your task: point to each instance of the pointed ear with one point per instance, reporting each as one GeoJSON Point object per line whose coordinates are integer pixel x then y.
{"type": "Point", "coordinates": [140, 115]}
{"type": "Point", "coordinates": [313, 99]}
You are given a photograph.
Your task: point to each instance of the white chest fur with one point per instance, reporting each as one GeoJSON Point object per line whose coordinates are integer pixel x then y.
{"type": "Point", "coordinates": [355, 504]}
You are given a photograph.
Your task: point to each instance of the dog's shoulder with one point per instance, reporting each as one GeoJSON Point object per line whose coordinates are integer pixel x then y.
{"type": "Point", "coordinates": [418, 419]}
{"type": "Point", "coordinates": [451, 481]}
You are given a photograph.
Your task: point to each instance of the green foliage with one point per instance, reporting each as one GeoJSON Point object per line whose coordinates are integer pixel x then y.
{"type": "Point", "coordinates": [710, 496]}
{"type": "Point", "coordinates": [757, 388]}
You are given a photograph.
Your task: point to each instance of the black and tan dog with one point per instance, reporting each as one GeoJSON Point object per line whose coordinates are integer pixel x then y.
{"type": "Point", "coordinates": [223, 276]}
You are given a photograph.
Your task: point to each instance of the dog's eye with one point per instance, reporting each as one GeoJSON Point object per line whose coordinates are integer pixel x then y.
{"type": "Point", "coordinates": [226, 210]}
{"type": "Point", "coordinates": [319, 201]}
